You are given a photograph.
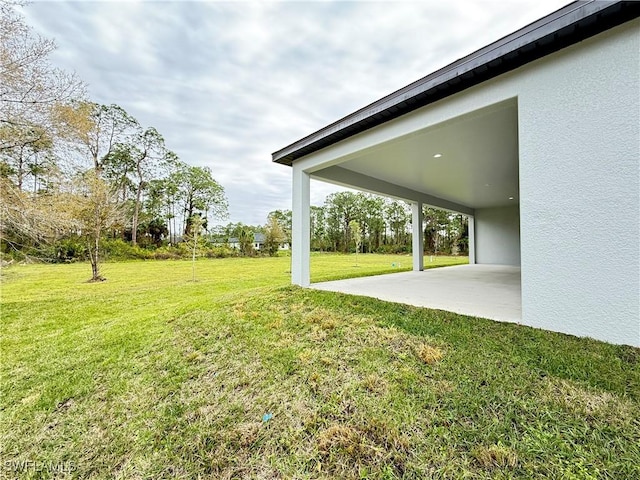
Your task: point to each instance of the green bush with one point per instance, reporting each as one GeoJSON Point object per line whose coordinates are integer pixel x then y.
{"type": "Point", "coordinates": [67, 250]}
{"type": "Point", "coordinates": [161, 254]}
{"type": "Point", "coordinates": [73, 249]}
{"type": "Point", "coordinates": [117, 249]}
{"type": "Point", "coordinates": [220, 252]}
{"type": "Point", "coordinates": [172, 252]}
{"type": "Point", "coordinates": [392, 249]}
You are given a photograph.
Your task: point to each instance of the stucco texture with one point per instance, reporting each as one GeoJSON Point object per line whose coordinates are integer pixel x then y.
{"type": "Point", "coordinates": [579, 133]}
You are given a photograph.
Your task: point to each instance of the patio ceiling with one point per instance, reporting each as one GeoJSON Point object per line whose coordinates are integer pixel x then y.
{"type": "Point", "coordinates": [469, 161]}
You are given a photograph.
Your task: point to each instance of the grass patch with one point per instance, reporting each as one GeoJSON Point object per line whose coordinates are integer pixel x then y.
{"type": "Point", "coordinates": [330, 266]}
{"type": "Point", "coordinates": [238, 375]}
{"type": "Point", "coordinates": [495, 456]}
{"type": "Point", "coordinates": [429, 354]}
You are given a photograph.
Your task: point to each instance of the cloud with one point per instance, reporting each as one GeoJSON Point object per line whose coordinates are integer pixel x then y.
{"type": "Point", "coordinates": [227, 84]}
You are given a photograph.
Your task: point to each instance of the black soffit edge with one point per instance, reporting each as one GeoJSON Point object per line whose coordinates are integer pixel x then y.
{"type": "Point", "coordinates": [562, 28]}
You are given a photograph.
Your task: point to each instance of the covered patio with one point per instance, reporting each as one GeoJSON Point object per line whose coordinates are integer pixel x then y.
{"type": "Point", "coordinates": [487, 291]}
{"type": "Point", "coordinates": [522, 138]}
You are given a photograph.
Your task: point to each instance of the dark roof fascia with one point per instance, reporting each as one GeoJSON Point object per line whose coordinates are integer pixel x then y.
{"type": "Point", "coordinates": [571, 24]}
{"type": "Point", "coordinates": [257, 238]}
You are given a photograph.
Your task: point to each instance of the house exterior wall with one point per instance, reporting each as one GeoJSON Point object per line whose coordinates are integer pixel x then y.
{"type": "Point", "coordinates": [497, 236]}
{"type": "Point", "coordinates": [579, 149]}
{"type": "Point", "coordinates": [579, 134]}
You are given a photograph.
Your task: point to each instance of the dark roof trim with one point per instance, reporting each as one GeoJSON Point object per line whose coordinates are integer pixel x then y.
{"type": "Point", "coordinates": [569, 25]}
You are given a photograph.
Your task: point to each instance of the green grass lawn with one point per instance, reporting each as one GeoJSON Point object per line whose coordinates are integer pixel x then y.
{"type": "Point", "coordinates": [238, 375]}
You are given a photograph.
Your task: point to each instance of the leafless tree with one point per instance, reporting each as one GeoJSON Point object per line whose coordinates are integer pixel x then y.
{"type": "Point", "coordinates": [96, 209]}
{"type": "Point", "coordinates": [30, 87]}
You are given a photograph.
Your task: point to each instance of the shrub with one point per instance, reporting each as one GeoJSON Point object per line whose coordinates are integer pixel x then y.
{"type": "Point", "coordinates": [66, 250]}
{"type": "Point", "coordinates": [168, 252]}
{"type": "Point", "coordinates": [392, 249]}
{"type": "Point", "coordinates": [220, 252]}
{"type": "Point", "coordinates": [117, 249]}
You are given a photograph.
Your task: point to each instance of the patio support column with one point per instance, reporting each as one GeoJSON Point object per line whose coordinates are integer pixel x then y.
{"type": "Point", "coordinates": [300, 228]}
{"type": "Point", "coordinates": [472, 240]}
{"type": "Point", "coordinates": [417, 238]}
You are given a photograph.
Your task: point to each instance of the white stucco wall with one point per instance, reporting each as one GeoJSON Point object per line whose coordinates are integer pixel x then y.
{"type": "Point", "coordinates": [579, 146]}
{"type": "Point", "coordinates": [579, 133]}
{"type": "Point", "coordinates": [497, 235]}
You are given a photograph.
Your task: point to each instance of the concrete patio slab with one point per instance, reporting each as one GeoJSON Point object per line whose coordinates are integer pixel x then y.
{"type": "Point", "coordinates": [488, 291]}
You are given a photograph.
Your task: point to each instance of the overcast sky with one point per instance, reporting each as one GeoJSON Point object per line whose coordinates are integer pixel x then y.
{"type": "Point", "coordinates": [228, 83]}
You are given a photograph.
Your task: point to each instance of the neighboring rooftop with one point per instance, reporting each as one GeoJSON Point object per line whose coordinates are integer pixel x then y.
{"type": "Point", "coordinates": [569, 25]}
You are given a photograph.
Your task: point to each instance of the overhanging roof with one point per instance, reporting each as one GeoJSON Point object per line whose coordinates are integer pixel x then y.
{"type": "Point", "coordinates": [569, 25]}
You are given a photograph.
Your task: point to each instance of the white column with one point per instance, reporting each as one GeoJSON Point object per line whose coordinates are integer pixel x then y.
{"type": "Point", "coordinates": [417, 239]}
{"type": "Point", "coordinates": [300, 226]}
{"type": "Point", "coordinates": [472, 240]}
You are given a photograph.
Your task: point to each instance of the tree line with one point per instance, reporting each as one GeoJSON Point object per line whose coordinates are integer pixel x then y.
{"type": "Point", "coordinates": [384, 226]}
{"type": "Point", "coordinates": [75, 172]}
{"type": "Point", "coordinates": [80, 178]}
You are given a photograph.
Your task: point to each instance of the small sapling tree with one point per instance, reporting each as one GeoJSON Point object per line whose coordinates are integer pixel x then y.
{"type": "Point", "coordinates": [356, 236]}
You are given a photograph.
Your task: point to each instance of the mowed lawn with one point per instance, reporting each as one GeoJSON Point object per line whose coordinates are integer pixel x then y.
{"type": "Point", "coordinates": [239, 375]}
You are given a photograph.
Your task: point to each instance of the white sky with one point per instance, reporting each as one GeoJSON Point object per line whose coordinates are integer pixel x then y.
{"type": "Point", "coordinates": [228, 83]}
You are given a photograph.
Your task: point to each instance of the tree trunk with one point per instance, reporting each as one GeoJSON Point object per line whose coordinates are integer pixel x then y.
{"type": "Point", "coordinates": [193, 257]}
{"type": "Point", "coordinates": [188, 212]}
{"type": "Point", "coordinates": [94, 259]}
{"type": "Point", "coordinates": [168, 217]}
{"type": "Point", "coordinates": [136, 213]}
{"type": "Point", "coordinates": [172, 221]}
{"type": "Point", "coordinates": [21, 168]}
{"type": "Point", "coordinates": [94, 251]}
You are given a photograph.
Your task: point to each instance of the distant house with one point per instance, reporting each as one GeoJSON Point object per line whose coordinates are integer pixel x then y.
{"type": "Point", "coordinates": [258, 242]}
{"type": "Point", "coordinates": [536, 138]}
{"type": "Point", "coordinates": [234, 242]}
